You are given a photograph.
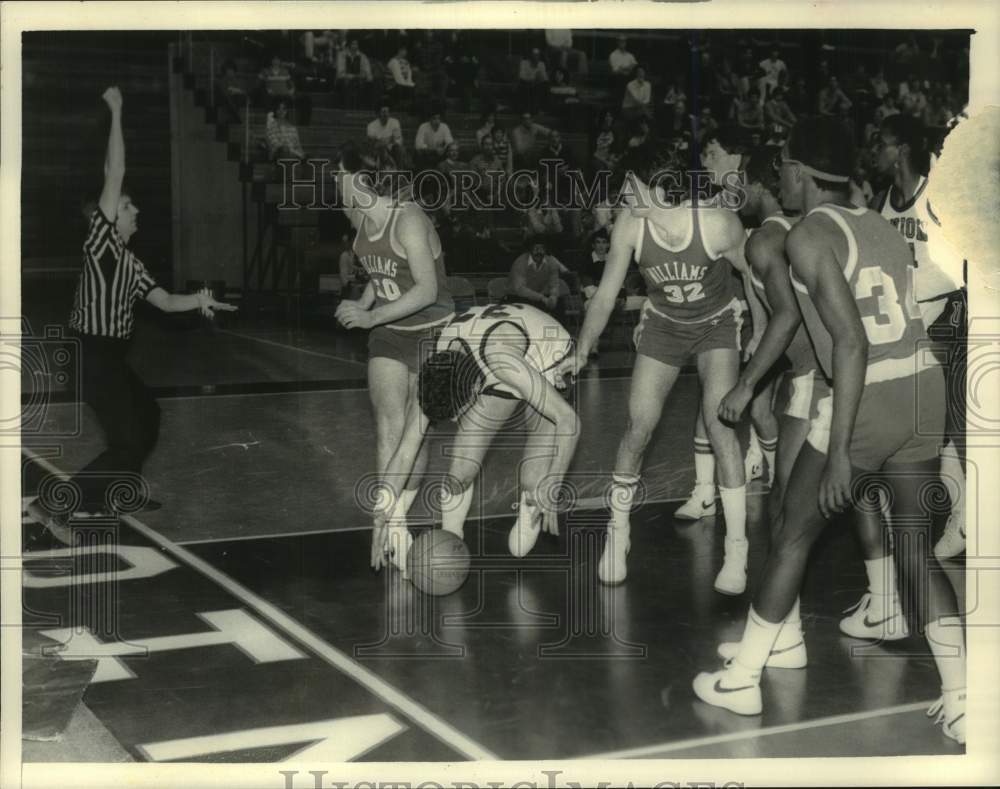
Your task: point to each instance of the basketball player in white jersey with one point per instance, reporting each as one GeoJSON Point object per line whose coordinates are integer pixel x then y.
{"type": "Point", "coordinates": [904, 156]}
{"type": "Point", "coordinates": [684, 253]}
{"type": "Point", "coordinates": [488, 362]}
{"type": "Point", "coordinates": [405, 304]}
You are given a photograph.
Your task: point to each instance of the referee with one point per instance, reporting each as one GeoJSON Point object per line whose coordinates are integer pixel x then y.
{"type": "Point", "coordinates": [111, 282]}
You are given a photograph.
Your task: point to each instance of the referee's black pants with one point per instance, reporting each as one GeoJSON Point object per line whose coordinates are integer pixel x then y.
{"type": "Point", "coordinates": [127, 413]}
{"type": "Point", "coordinates": [949, 333]}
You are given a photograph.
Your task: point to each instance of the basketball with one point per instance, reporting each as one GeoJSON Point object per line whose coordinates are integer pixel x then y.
{"type": "Point", "coordinates": [438, 562]}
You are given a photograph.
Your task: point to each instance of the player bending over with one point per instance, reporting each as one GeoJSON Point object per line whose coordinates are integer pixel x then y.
{"type": "Point", "coordinates": [487, 362]}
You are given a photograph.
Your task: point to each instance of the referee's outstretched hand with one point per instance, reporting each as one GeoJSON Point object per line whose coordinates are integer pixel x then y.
{"type": "Point", "coordinates": [208, 305]}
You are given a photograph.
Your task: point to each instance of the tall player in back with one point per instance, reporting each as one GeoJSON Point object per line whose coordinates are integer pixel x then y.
{"type": "Point", "coordinates": [904, 156]}
{"type": "Point", "coordinates": [852, 275]}
{"type": "Point", "coordinates": [406, 304]}
{"type": "Point", "coordinates": [684, 254]}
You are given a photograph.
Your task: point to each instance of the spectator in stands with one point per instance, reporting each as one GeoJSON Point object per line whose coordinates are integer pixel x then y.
{"type": "Point", "coordinates": [592, 267]}
{"type": "Point", "coordinates": [400, 79]}
{"type": "Point", "coordinates": [938, 111]}
{"type": "Point", "coordinates": [385, 132]}
{"type": "Point", "coordinates": [673, 94]}
{"type": "Point", "coordinates": [231, 93]}
{"type": "Point", "coordinates": [541, 218]}
{"type": "Point", "coordinates": [604, 154]}
{"type": "Point", "coordinates": [707, 125]}
{"type": "Point", "coordinates": [462, 65]}
{"type": "Point", "coordinates": [642, 136]}
{"type": "Point", "coordinates": [562, 54]}
{"type": "Point", "coordinates": [638, 98]}
{"type": "Point", "coordinates": [622, 62]}
{"type": "Point", "coordinates": [777, 111]}
{"type": "Point", "coordinates": [488, 122]}
{"type": "Point", "coordinates": [451, 163]}
{"type": "Point", "coordinates": [749, 114]}
{"type": "Point", "coordinates": [282, 135]}
{"type": "Point", "coordinates": [913, 101]}
{"type": "Point", "coordinates": [772, 67]}
{"type": "Point", "coordinates": [832, 100]}
{"type": "Point", "coordinates": [532, 82]}
{"type": "Point", "coordinates": [488, 167]}
{"type": "Point", "coordinates": [885, 109]}
{"type": "Point", "coordinates": [562, 95]}
{"type": "Point", "coordinates": [879, 87]}
{"type": "Point", "coordinates": [680, 122]}
{"type": "Point", "coordinates": [276, 80]}
{"type": "Point", "coordinates": [534, 278]}
{"type": "Point", "coordinates": [352, 280]}
{"type": "Point", "coordinates": [432, 140]}
{"type": "Point", "coordinates": [503, 149]}
{"type": "Point", "coordinates": [354, 75]}
{"type": "Point", "coordinates": [727, 88]}
{"type": "Point", "coordinates": [798, 97]}
{"type": "Point", "coordinates": [524, 140]}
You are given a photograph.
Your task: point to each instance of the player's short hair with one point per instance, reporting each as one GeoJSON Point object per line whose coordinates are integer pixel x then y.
{"type": "Point", "coordinates": [760, 167]}
{"type": "Point", "coordinates": [911, 132]}
{"type": "Point", "coordinates": [732, 139]}
{"type": "Point", "coordinates": [827, 145]}
{"type": "Point", "coordinates": [447, 383]}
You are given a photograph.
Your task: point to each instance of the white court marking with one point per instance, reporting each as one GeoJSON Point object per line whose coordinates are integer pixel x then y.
{"type": "Point", "coordinates": [653, 751]}
{"type": "Point", "coordinates": [290, 347]}
{"type": "Point", "coordinates": [393, 697]}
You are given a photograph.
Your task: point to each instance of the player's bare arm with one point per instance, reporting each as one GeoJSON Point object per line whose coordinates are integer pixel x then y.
{"type": "Point", "coordinates": [391, 483]}
{"type": "Point", "coordinates": [613, 277]}
{"type": "Point", "coordinates": [114, 160]}
{"type": "Point", "coordinates": [510, 368]}
{"type": "Point", "coordinates": [412, 234]}
{"type": "Point", "coordinates": [765, 253]}
{"type": "Point", "coordinates": [810, 249]}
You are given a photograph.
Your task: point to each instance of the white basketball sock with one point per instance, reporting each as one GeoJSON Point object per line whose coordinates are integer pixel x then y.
{"type": "Point", "coordinates": [623, 488]}
{"type": "Point", "coordinates": [946, 639]}
{"type": "Point", "coordinates": [704, 462]}
{"type": "Point", "coordinates": [734, 507]}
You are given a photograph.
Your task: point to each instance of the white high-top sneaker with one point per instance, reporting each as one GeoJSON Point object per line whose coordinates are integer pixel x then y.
{"type": "Point", "coordinates": [522, 537]}
{"type": "Point", "coordinates": [732, 578]}
{"type": "Point", "coordinates": [952, 541]}
{"type": "Point", "coordinates": [701, 503]}
{"type": "Point", "coordinates": [612, 568]}
{"type": "Point", "coordinates": [789, 650]}
{"type": "Point", "coordinates": [950, 712]}
{"type": "Point", "coordinates": [867, 621]}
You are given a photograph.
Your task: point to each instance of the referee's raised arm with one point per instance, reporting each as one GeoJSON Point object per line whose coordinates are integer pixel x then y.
{"type": "Point", "coordinates": [114, 159]}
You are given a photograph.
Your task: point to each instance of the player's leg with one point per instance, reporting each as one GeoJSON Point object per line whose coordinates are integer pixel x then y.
{"type": "Point", "coordinates": [476, 430]}
{"type": "Point", "coordinates": [652, 381]}
{"type": "Point", "coordinates": [718, 369]}
{"type": "Point", "coordinates": [534, 467]}
{"type": "Point", "coordinates": [737, 687]}
{"type": "Point", "coordinates": [878, 614]}
{"type": "Point", "coordinates": [389, 390]}
{"type": "Point", "coordinates": [950, 331]}
{"type": "Point", "coordinates": [701, 502]}
{"type": "Point", "coordinates": [927, 588]}
{"type": "Point", "coordinates": [763, 434]}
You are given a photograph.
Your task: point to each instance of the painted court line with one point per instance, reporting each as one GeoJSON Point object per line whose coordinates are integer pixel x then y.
{"type": "Point", "coordinates": [395, 698]}
{"type": "Point", "coordinates": [653, 751]}
{"type": "Point", "coordinates": [290, 347]}
{"type": "Point", "coordinates": [595, 502]}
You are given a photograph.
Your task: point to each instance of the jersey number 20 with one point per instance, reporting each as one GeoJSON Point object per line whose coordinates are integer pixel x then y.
{"type": "Point", "coordinates": [385, 289]}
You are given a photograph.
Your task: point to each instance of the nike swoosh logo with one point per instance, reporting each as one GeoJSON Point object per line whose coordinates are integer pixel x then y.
{"type": "Point", "coordinates": [706, 504]}
{"type": "Point", "coordinates": [719, 689]}
{"type": "Point", "coordinates": [953, 721]}
{"type": "Point", "coordinates": [868, 623]}
{"type": "Point", "coordinates": [786, 649]}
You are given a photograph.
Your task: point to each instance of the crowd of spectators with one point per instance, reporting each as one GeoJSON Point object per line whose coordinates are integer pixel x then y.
{"type": "Point", "coordinates": [653, 97]}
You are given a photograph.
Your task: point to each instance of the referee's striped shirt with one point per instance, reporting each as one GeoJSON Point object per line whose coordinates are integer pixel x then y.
{"type": "Point", "coordinates": [112, 280]}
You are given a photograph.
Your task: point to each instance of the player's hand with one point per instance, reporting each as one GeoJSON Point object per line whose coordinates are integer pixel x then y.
{"type": "Point", "coordinates": [208, 305]}
{"type": "Point", "coordinates": [752, 346]}
{"type": "Point", "coordinates": [547, 501]}
{"type": "Point", "coordinates": [835, 485]}
{"type": "Point", "coordinates": [735, 402]}
{"type": "Point", "coordinates": [569, 368]}
{"type": "Point", "coordinates": [380, 540]}
{"type": "Point", "coordinates": [113, 98]}
{"type": "Point", "coordinates": [352, 316]}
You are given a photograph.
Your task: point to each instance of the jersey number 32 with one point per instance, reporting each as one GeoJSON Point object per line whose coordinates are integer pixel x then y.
{"type": "Point", "coordinates": [678, 294]}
